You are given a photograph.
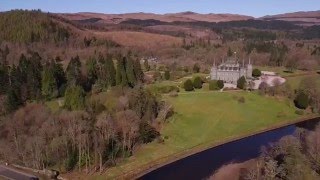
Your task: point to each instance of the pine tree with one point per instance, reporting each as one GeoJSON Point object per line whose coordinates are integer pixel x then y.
{"type": "Point", "coordinates": [12, 101]}
{"type": "Point", "coordinates": [111, 71]}
{"type": "Point", "coordinates": [118, 73]}
{"type": "Point", "coordinates": [73, 71]}
{"type": "Point", "coordinates": [74, 98]}
{"type": "Point", "coordinates": [130, 72]}
{"type": "Point", "coordinates": [4, 78]}
{"type": "Point", "coordinates": [138, 71]}
{"type": "Point", "coordinates": [49, 84]}
{"type": "Point", "coordinates": [92, 74]}
{"type": "Point", "coordinates": [124, 78]}
{"type": "Point", "coordinates": [59, 74]}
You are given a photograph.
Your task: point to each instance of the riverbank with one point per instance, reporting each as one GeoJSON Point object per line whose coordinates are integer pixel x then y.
{"type": "Point", "coordinates": [204, 120]}
{"type": "Point", "coordinates": [203, 147]}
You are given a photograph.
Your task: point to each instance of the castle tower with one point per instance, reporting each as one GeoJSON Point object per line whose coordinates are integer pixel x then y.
{"type": "Point", "coordinates": [214, 71]}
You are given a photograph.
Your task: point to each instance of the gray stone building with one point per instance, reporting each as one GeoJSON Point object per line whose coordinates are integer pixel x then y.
{"type": "Point", "coordinates": [231, 70]}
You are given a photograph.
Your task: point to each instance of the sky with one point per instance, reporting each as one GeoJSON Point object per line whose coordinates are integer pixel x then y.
{"type": "Point", "coordinates": [256, 8]}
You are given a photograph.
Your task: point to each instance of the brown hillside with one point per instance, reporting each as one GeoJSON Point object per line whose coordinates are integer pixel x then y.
{"type": "Point", "coordinates": [185, 17]}
{"type": "Point", "coordinates": [302, 18]}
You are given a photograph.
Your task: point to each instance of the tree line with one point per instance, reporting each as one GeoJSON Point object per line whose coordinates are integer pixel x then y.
{"type": "Point", "coordinates": [31, 80]}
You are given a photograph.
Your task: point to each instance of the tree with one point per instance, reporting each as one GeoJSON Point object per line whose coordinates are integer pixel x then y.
{"type": "Point", "coordinates": [111, 71]}
{"type": "Point", "coordinates": [4, 78]}
{"type": "Point", "coordinates": [220, 84]}
{"type": "Point", "coordinates": [49, 87]}
{"type": "Point", "coordinates": [197, 82]}
{"type": "Point", "coordinates": [213, 85]}
{"type": "Point", "coordinates": [302, 100]}
{"type": "Point", "coordinates": [73, 71]}
{"type": "Point", "coordinates": [196, 68]}
{"type": "Point", "coordinates": [167, 75]}
{"type": "Point", "coordinates": [130, 72]}
{"type": "Point", "coordinates": [241, 83]}
{"type": "Point", "coordinates": [188, 85]}
{"type": "Point", "coordinates": [256, 73]}
{"type": "Point", "coordinates": [12, 101]}
{"type": "Point", "coordinates": [74, 98]}
{"type": "Point", "coordinates": [138, 71]}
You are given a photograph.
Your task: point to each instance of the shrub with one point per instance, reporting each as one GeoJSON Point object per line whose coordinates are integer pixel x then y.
{"type": "Point", "coordinates": [241, 83]}
{"type": "Point", "coordinates": [166, 75]}
{"type": "Point", "coordinates": [188, 85]}
{"type": "Point", "coordinates": [220, 84]}
{"type": "Point", "coordinates": [302, 100]}
{"type": "Point", "coordinates": [256, 73]}
{"type": "Point", "coordinates": [197, 82]}
{"type": "Point", "coordinates": [163, 89]}
{"type": "Point", "coordinates": [196, 68]}
{"type": "Point", "coordinates": [213, 85]}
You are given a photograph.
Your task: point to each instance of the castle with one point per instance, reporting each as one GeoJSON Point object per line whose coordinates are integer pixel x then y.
{"type": "Point", "coordinates": [231, 70]}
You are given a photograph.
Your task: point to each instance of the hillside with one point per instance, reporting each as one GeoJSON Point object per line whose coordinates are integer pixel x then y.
{"type": "Point", "coordinates": [302, 18]}
{"type": "Point", "coordinates": [31, 26]}
{"type": "Point", "coordinates": [183, 17]}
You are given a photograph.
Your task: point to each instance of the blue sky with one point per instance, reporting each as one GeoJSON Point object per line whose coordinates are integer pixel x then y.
{"type": "Point", "coordinates": [255, 8]}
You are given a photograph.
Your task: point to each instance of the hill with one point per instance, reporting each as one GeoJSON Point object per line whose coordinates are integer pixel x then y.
{"type": "Point", "coordinates": [183, 17]}
{"type": "Point", "coordinates": [302, 18]}
{"type": "Point", "coordinates": [31, 26]}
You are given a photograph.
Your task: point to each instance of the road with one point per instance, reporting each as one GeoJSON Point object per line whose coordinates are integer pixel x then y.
{"type": "Point", "coordinates": [9, 173]}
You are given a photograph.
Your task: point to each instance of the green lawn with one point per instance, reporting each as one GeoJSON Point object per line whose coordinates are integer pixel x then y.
{"type": "Point", "coordinates": [207, 118]}
{"type": "Point", "coordinates": [296, 80]}
{"type": "Point", "coordinates": [282, 71]}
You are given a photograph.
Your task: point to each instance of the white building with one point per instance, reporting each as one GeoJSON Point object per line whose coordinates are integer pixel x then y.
{"type": "Point", "coordinates": [231, 70]}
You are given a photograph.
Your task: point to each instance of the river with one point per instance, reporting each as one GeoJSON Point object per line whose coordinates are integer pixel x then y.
{"type": "Point", "coordinates": [203, 164]}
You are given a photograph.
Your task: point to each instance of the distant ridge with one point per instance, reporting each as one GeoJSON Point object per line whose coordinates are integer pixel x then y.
{"type": "Point", "coordinates": [307, 18]}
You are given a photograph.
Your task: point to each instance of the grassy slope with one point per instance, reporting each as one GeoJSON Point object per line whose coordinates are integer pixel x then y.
{"type": "Point", "coordinates": [208, 118]}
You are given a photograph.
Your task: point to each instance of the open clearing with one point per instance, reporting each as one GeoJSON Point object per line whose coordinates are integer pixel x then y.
{"type": "Point", "coordinates": [205, 119]}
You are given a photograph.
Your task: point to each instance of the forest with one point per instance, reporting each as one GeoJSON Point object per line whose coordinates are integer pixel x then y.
{"type": "Point", "coordinates": [85, 133]}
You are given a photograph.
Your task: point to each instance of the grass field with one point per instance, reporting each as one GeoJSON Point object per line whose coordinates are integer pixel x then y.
{"type": "Point", "coordinates": [282, 71]}
{"type": "Point", "coordinates": [207, 118]}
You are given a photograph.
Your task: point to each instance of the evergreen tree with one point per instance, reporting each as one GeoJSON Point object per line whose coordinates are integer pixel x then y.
{"type": "Point", "coordinates": [241, 83]}
{"type": "Point", "coordinates": [188, 85]}
{"type": "Point", "coordinates": [12, 101]}
{"type": "Point", "coordinates": [111, 71]}
{"type": "Point", "coordinates": [124, 78]}
{"type": "Point", "coordinates": [138, 71]}
{"type": "Point", "coordinates": [196, 68]}
{"type": "Point", "coordinates": [92, 74]}
{"type": "Point", "coordinates": [59, 74]}
{"type": "Point", "coordinates": [33, 82]}
{"type": "Point", "coordinates": [4, 78]}
{"type": "Point", "coordinates": [197, 82]}
{"type": "Point", "coordinates": [73, 71]}
{"type": "Point", "coordinates": [118, 73]}
{"type": "Point", "coordinates": [167, 75]}
{"type": "Point", "coordinates": [49, 84]}
{"type": "Point", "coordinates": [130, 72]}
{"type": "Point", "coordinates": [74, 98]}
